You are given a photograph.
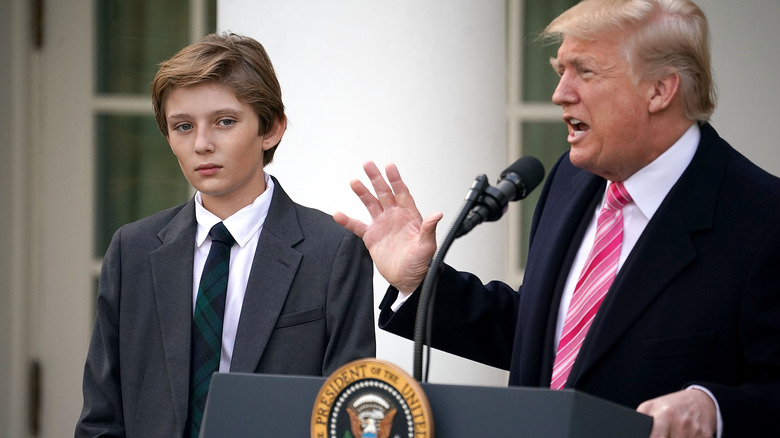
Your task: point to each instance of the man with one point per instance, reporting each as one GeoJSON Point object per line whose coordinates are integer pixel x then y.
{"type": "Point", "coordinates": [298, 293]}
{"type": "Point", "coordinates": [652, 275]}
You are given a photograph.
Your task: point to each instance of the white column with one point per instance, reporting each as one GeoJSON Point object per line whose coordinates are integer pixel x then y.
{"type": "Point", "coordinates": [745, 59]}
{"type": "Point", "coordinates": [418, 83]}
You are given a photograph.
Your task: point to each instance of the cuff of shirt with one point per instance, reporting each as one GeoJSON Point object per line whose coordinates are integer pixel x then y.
{"type": "Point", "coordinates": [717, 407]}
{"type": "Point", "coordinates": [399, 301]}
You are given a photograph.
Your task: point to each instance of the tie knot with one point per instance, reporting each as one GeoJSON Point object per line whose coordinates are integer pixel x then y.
{"type": "Point", "coordinates": [617, 196]}
{"type": "Point", "coordinates": [220, 233]}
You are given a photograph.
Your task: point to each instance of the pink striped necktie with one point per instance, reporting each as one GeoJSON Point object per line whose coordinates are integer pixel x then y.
{"type": "Point", "coordinates": [594, 282]}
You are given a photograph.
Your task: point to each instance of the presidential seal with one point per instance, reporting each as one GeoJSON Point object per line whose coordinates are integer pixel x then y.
{"type": "Point", "coordinates": [371, 398]}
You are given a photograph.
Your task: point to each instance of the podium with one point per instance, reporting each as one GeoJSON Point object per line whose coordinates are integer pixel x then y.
{"type": "Point", "coordinates": [253, 405]}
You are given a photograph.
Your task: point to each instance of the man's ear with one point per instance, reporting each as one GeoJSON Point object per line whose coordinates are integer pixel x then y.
{"type": "Point", "coordinates": [663, 92]}
{"type": "Point", "coordinates": [274, 135]}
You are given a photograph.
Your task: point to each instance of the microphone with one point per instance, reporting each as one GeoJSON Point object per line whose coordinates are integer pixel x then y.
{"type": "Point", "coordinates": [515, 183]}
{"type": "Point", "coordinates": [482, 203]}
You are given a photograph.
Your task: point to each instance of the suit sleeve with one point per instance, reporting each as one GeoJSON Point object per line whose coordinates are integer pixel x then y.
{"type": "Point", "coordinates": [350, 305]}
{"type": "Point", "coordinates": [750, 406]}
{"type": "Point", "coordinates": [102, 414]}
{"type": "Point", "coordinates": [470, 319]}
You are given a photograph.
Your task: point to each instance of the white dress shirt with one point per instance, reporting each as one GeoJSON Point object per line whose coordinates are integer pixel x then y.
{"type": "Point", "coordinates": [648, 187]}
{"type": "Point", "coordinates": [245, 226]}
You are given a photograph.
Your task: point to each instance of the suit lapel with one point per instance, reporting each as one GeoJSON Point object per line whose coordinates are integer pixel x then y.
{"type": "Point", "coordinates": [273, 272]}
{"type": "Point", "coordinates": [661, 254]}
{"type": "Point", "coordinates": [569, 200]}
{"type": "Point", "coordinates": [664, 252]}
{"type": "Point", "coordinates": [172, 279]}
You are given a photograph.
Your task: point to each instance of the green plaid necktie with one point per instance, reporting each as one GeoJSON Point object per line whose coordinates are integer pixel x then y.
{"type": "Point", "coordinates": [207, 323]}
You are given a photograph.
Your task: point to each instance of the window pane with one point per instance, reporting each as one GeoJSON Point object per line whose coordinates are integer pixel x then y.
{"type": "Point", "coordinates": [547, 142]}
{"type": "Point", "coordinates": [137, 174]}
{"type": "Point", "coordinates": [133, 37]}
{"type": "Point", "coordinates": [538, 79]}
{"type": "Point", "coordinates": [211, 15]}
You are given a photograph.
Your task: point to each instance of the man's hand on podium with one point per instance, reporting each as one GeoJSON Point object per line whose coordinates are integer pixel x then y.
{"type": "Point", "coordinates": [689, 413]}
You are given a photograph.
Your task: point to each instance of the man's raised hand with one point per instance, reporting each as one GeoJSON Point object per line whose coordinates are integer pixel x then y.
{"type": "Point", "coordinates": [400, 241]}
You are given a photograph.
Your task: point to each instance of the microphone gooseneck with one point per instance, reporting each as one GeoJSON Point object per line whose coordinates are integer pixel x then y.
{"type": "Point", "coordinates": [482, 203]}
{"type": "Point", "coordinates": [515, 183]}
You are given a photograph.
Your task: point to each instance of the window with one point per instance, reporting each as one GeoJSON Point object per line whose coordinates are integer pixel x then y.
{"type": "Point", "coordinates": [136, 173]}
{"type": "Point", "coordinates": [534, 125]}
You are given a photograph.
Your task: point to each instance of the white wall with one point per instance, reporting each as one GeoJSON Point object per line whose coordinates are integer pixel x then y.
{"type": "Point", "coordinates": [418, 83]}
{"type": "Point", "coordinates": [745, 57]}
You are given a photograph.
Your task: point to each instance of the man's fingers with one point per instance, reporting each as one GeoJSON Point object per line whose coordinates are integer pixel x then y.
{"type": "Point", "coordinates": [384, 194]}
{"type": "Point", "coordinates": [686, 413]}
{"type": "Point", "coordinates": [394, 176]}
{"type": "Point", "coordinates": [372, 204]}
{"type": "Point", "coordinates": [402, 195]}
{"type": "Point", "coordinates": [354, 225]}
{"type": "Point", "coordinates": [428, 226]}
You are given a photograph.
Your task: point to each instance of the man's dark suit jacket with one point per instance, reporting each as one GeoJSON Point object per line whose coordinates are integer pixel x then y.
{"type": "Point", "coordinates": [696, 302]}
{"type": "Point", "coordinates": [308, 309]}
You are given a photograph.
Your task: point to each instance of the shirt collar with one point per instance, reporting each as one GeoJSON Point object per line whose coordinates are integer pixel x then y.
{"type": "Point", "coordinates": [650, 185]}
{"type": "Point", "coordinates": [242, 224]}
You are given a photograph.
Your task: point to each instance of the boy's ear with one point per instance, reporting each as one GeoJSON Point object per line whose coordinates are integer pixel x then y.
{"type": "Point", "coordinates": [274, 135]}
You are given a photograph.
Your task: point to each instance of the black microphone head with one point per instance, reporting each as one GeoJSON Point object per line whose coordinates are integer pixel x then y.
{"type": "Point", "coordinates": [530, 172]}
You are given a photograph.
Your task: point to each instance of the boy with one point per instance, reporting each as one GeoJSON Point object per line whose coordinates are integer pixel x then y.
{"type": "Point", "coordinates": [296, 298]}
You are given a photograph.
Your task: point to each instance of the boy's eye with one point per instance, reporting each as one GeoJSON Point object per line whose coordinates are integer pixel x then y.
{"type": "Point", "coordinates": [183, 127]}
{"type": "Point", "coordinates": [227, 122]}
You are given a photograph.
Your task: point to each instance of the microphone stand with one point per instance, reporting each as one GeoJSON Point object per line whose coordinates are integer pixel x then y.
{"type": "Point", "coordinates": [422, 325]}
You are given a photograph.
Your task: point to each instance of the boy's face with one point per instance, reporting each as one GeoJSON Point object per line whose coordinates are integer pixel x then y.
{"type": "Point", "coordinates": [215, 138]}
